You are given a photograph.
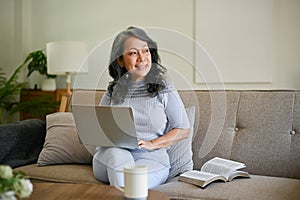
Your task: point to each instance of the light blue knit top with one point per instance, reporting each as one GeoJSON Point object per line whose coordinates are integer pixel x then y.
{"type": "Point", "coordinates": [153, 116]}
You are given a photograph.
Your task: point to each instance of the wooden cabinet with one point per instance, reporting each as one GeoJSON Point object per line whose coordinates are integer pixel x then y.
{"type": "Point", "coordinates": [40, 103]}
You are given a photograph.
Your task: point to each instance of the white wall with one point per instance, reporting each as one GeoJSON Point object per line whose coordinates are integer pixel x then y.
{"type": "Point", "coordinates": [6, 36]}
{"type": "Point", "coordinates": [14, 43]}
{"type": "Point", "coordinates": [94, 21]}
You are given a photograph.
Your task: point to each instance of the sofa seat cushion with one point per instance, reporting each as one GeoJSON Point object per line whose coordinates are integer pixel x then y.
{"type": "Point", "coordinates": [68, 173]}
{"type": "Point", "coordinates": [257, 187]}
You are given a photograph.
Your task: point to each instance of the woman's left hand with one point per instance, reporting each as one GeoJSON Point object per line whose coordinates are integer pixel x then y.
{"type": "Point", "coordinates": [146, 144]}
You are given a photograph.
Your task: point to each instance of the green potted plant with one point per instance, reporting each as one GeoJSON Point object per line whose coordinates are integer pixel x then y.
{"type": "Point", "coordinates": [10, 89]}
{"type": "Point", "coordinates": [37, 61]}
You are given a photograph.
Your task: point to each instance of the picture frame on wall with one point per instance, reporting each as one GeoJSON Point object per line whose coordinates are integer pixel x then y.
{"type": "Point", "coordinates": [233, 41]}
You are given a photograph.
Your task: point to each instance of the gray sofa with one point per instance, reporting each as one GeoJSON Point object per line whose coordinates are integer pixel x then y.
{"type": "Point", "coordinates": [258, 128]}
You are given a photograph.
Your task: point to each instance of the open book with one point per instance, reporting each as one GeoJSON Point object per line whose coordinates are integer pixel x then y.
{"type": "Point", "coordinates": [213, 170]}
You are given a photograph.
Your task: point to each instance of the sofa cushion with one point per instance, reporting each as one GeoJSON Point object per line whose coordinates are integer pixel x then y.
{"type": "Point", "coordinates": [68, 173]}
{"type": "Point", "coordinates": [263, 140]}
{"type": "Point", "coordinates": [181, 153]}
{"type": "Point", "coordinates": [21, 142]}
{"type": "Point", "coordinates": [62, 144]}
{"type": "Point", "coordinates": [257, 187]}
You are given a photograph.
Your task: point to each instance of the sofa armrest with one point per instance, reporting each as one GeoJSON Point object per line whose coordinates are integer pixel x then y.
{"type": "Point", "coordinates": [21, 142]}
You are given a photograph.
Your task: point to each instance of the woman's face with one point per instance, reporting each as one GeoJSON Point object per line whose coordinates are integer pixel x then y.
{"type": "Point", "coordinates": [136, 58]}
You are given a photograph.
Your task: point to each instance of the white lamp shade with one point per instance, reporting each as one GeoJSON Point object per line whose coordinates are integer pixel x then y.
{"type": "Point", "coordinates": [66, 57]}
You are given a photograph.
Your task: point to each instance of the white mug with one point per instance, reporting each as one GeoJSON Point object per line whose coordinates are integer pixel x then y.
{"type": "Point", "coordinates": [135, 182]}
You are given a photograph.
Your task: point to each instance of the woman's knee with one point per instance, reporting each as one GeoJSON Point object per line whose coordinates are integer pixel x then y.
{"type": "Point", "coordinates": [113, 157]}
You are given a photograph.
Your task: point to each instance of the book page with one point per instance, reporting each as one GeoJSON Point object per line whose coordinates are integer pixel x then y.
{"type": "Point", "coordinates": [199, 178]}
{"type": "Point", "coordinates": [238, 174]}
{"type": "Point", "coordinates": [194, 174]}
{"type": "Point", "coordinates": [221, 166]}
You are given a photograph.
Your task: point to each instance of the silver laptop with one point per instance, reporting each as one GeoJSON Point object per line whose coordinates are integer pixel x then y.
{"type": "Point", "coordinates": [106, 126]}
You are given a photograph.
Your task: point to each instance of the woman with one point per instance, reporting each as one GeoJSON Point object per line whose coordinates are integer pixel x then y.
{"type": "Point", "coordinates": [139, 82]}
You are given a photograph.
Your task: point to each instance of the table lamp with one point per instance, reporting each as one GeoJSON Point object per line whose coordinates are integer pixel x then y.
{"type": "Point", "coordinates": [66, 58]}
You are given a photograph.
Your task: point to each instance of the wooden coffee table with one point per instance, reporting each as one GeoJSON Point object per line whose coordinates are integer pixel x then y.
{"type": "Point", "coordinates": [83, 191]}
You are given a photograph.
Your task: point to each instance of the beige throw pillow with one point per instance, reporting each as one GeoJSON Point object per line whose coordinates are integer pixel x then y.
{"type": "Point", "coordinates": [62, 144]}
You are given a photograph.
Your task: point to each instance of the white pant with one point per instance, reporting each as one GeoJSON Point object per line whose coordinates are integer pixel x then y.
{"type": "Point", "coordinates": [108, 164]}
